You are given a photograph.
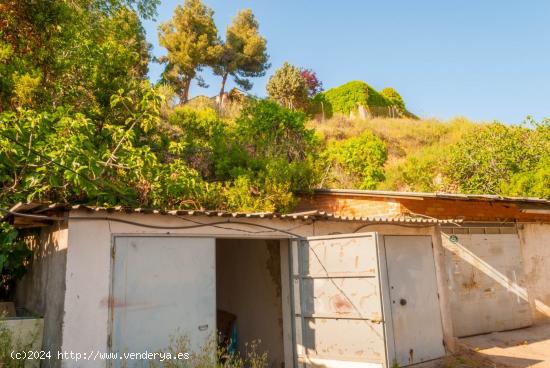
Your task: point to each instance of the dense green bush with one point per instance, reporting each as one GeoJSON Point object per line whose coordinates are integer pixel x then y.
{"type": "Point", "coordinates": [422, 171]}
{"type": "Point", "coordinates": [271, 151]}
{"type": "Point", "coordinates": [195, 160]}
{"type": "Point", "coordinates": [195, 135]}
{"type": "Point", "coordinates": [533, 183]}
{"type": "Point", "coordinates": [394, 97]}
{"type": "Point", "coordinates": [492, 155]}
{"type": "Point", "coordinates": [288, 87]}
{"type": "Point", "coordinates": [348, 97]}
{"type": "Point", "coordinates": [355, 162]}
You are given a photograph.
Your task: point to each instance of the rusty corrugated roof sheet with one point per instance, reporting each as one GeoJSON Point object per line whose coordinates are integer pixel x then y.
{"type": "Point", "coordinates": [44, 208]}
{"type": "Point", "coordinates": [436, 195]}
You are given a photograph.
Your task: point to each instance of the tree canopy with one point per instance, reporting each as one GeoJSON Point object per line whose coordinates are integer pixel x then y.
{"type": "Point", "coordinates": [191, 41]}
{"type": "Point", "coordinates": [288, 87]}
{"type": "Point", "coordinates": [244, 52]}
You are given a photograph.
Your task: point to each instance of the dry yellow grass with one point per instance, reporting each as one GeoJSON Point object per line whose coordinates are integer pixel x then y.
{"type": "Point", "coordinates": [402, 136]}
{"type": "Point", "coordinates": [415, 147]}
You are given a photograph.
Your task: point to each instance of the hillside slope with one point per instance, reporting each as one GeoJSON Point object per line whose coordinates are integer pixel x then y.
{"type": "Point", "coordinates": [457, 156]}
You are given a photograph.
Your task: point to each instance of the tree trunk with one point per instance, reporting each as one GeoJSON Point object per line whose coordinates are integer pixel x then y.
{"type": "Point", "coordinates": [184, 95]}
{"type": "Point", "coordinates": [222, 89]}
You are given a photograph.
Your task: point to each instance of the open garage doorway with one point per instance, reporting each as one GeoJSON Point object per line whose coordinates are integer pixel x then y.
{"type": "Point", "coordinates": [248, 295]}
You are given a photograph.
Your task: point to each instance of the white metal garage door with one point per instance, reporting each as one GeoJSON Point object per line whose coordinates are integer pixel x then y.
{"type": "Point", "coordinates": [162, 287]}
{"type": "Point", "coordinates": [415, 313]}
{"type": "Point", "coordinates": [337, 304]}
{"type": "Point", "coordinates": [487, 282]}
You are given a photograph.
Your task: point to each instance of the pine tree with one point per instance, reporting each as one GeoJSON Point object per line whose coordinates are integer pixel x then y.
{"type": "Point", "coordinates": [191, 39]}
{"type": "Point", "coordinates": [244, 52]}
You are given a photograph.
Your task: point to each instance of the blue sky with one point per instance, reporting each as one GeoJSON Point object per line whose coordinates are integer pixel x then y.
{"type": "Point", "coordinates": [486, 60]}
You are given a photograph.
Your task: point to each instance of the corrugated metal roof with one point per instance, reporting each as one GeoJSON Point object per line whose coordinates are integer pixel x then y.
{"type": "Point", "coordinates": [43, 208]}
{"type": "Point", "coordinates": [390, 194]}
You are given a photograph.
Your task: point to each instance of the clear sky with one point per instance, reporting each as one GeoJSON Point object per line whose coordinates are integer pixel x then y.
{"type": "Point", "coordinates": [483, 59]}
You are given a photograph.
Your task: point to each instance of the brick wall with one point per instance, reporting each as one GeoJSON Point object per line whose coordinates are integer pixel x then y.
{"type": "Point", "coordinates": [468, 210]}
{"type": "Point", "coordinates": [351, 206]}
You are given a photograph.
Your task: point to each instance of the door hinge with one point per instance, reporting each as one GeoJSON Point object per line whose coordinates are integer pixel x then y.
{"type": "Point", "coordinates": [109, 341]}
{"type": "Point", "coordinates": [113, 252]}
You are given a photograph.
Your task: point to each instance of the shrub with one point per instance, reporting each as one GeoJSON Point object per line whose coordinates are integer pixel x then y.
{"type": "Point", "coordinates": [288, 87]}
{"type": "Point", "coordinates": [211, 355]}
{"type": "Point", "coordinates": [533, 183]}
{"type": "Point", "coordinates": [421, 171]}
{"type": "Point", "coordinates": [394, 97]}
{"type": "Point", "coordinates": [355, 162]}
{"type": "Point", "coordinates": [268, 155]}
{"type": "Point", "coordinates": [348, 97]}
{"type": "Point", "coordinates": [20, 342]}
{"type": "Point", "coordinates": [492, 155]}
{"type": "Point", "coordinates": [196, 132]}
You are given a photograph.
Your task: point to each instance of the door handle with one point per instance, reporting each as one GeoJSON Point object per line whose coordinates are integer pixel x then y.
{"type": "Point", "coordinates": [402, 301]}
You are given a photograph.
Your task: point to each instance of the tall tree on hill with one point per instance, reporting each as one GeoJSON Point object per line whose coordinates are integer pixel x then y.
{"type": "Point", "coordinates": [191, 39]}
{"type": "Point", "coordinates": [288, 87]}
{"type": "Point", "coordinates": [244, 52]}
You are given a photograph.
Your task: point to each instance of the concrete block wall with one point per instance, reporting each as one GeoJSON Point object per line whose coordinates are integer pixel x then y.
{"type": "Point", "coordinates": [42, 289]}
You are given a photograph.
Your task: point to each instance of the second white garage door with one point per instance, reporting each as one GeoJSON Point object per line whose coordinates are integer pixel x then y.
{"type": "Point", "coordinates": [487, 283]}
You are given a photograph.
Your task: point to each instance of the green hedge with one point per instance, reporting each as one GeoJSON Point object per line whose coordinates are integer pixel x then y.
{"type": "Point", "coordinates": [347, 97]}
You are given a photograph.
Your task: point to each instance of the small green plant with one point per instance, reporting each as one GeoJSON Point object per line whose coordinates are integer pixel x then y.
{"type": "Point", "coordinates": [212, 355]}
{"type": "Point", "coordinates": [10, 343]}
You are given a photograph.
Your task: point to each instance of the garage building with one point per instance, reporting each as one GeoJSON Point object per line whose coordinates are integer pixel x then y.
{"type": "Point", "coordinates": [354, 279]}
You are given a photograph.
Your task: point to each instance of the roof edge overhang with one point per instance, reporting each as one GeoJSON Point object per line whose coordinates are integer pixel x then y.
{"type": "Point", "coordinates": [43, 214]}
{"type": "Point", "coordinates": [423, 195]}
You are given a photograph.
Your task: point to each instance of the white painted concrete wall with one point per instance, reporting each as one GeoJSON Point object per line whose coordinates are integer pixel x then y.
{"type": "Point", "coordinates": [487, 283]}
{"type": "Point", "coordinates": [535, 247]}
{"type": "Point", "coordinates": [42, 289]}
{"type": "Point", "coordinates": [88, 273]}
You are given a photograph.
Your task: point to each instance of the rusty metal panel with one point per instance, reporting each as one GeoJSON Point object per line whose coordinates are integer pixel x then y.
{"type": "Point", "coordinates": [352, 297]}
{"type": "Point", "coordinates": [487, 283]}
{"type": "Point", "coordinates": [416, 318]}
{"type": "Point", "coordinates": [162, 287]}
{"type": "Point", "coordinates": [338, 315]}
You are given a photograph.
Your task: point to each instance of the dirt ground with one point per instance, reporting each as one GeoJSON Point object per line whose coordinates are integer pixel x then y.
{"type": "Point", "coordinates": [527, 347]}
{"type": "Point", "coordinates": [523, 348]}
{"type": "Point", "coordinates": [465, 359]}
